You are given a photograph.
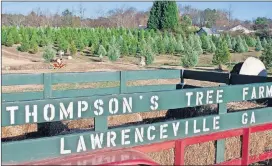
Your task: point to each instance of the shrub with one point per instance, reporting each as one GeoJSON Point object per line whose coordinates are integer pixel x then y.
{"type": "Point", "coordinates": [101, 51]}
{"type": "Point", "coordinates": [258, 45]}
{"type": "Point", "coordinates": [205, 42]}
{"type": "Point", "coordinates": [49, 53]}
{"type": "Point", "coordinates": [73, 49]}
{"type": "Point", "coordinates": [266, 56]}
{"type": "Point", "coordinates": [222, 54]}
{"type": "Point", "coordinates": [9, 41]}
{"type": "Point", "coordinates": [113, 53]}
{"type": "Point", "coordinates": [190, 58]}
{"type": "Point", "coordinates": [34, 48]}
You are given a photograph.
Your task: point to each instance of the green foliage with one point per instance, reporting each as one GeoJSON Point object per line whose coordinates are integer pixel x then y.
{"type": "Point", "coordinates": [101, 52]}
{"type": "Point", "coordinates": [228, 40]}
{"type": "Point", "coordinates": [73, 48]}
{"type": "Point", "coordinates": [190, 58]}
{"type": "Point", "coordinates": [266, 56]}
{"type": "Point", "coordinates": [264, 42]}
{"type": "Point", "coordinates": [49, 53]}
{"type": "Point", "coordinates": [114, 52]}
{"type": "Point", "coordinates": [64, 45]}
{"type": "Point", "coordinates": [222, 54]}
{"type": "Point", "coordinates": [258, 45]}
{"type": "Point", "coordinates": [239, 47]}
{"type": "Point", "coordinates": [250, 41]}
{"type": "Point", "coordinates": [213, 48]}
{"type": "Point", "coordinates": [34, 48]}
{"type": "Point", "coordinates": [205, 42]}
{"type": "Point", "coordinates": [163, 15]}
{"type": "Point", "coordinates": [245, 46]}
{"type": "Point", "coordinates": [25, 45]}
{"type": "Point", "coordinates": [9, 42]}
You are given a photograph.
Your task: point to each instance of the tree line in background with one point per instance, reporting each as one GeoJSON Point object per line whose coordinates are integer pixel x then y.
{"type": "Point", "coordinates": [167, 33]}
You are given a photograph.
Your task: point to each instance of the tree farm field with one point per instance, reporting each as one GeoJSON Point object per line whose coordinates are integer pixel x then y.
{"type": "Point", "coordinates": [18, 62]}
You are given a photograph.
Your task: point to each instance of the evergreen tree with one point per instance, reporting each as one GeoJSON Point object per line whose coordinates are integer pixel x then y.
{"type": "Point", "coordinates": [49, 53]}
{"type": "Point", "coordinates": [258, 45]}
{"type": "Point", "coordinates": [245, 46]}
{"type": "Point", "coordinates": [213, 48]}
{"type": "Point", "coordinates": [205, 42]}
{"type": "Point", "coordinates": [179, 46]}
{"type": "Point", "coordinates": [34, 48]}
{"type": "Point", "coordinates": [163, 15]}
{"type": "Point", "coordinates": [222, 54]}
{"type": "Point", "coordinates": [190, 58]}
{"type": "Point", "coordinates": [64, 45]}
{"type": "Point", "coordinates": [114, 52]}
{"type": "Point", "coordinates": [250, 41]}
{"type": "Point", "coordinates": [4, 36]}
{"type": "Point", "coordinates": [101, 52]}
{"type": "Point", "coordinates": [233, 43]}
{"type": "Point", "coordinates": [24, 44]}
{"type": "Point", "coordinates": [266, 56]}
{"type": "Point", "coordinates": [9, 42]}
{"type": "Point", "coordinates": [239, 45]}
{"type": "Point", "coordinates": [264, 43]}
{"type": "Point", "coordinates": [228, 40]}
{"type": "Point", "coordinates": [197, 45]}
{"type": "Point", "coordinates": [73, 48]}
{"type": "Point", "coordinates": [161, 46]}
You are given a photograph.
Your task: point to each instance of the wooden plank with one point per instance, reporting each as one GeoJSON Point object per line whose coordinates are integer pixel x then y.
{"type": "Point", "coordinates": [21, 79]}
{"type": "Point", "coordinates": [206, 76]}
{"type": "Point", "coordinates": [150, 88]}
{"type": "Point", "coordinates": [153, 74]}
{"type": "Point", "coordinates": [126, 137]}
{"type": "Point", "coordinates": [220, 144]}
{"type": "Point", "coordinates": [133, 103]}
{"type": "Point", "coordinates": [83, 77]}
{"type": "Point", "coordinates": [84, 92]}
{"type": "Point", "coordinates": [246, 79]}
{"type": "Point", "coordinates": [21, 96]}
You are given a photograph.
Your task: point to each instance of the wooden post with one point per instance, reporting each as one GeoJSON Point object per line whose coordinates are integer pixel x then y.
{"type": "Point", "coordinates": [44, 128]}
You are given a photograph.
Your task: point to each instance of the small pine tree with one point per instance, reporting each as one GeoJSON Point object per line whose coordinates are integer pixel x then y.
{"type": "Point", "coordinates": [101, 52]}
{"type": "Point", "coordinates": [171, 46]}
{"type": "Point", "coordinates": [239, 45]}
{"type": "Point", "coordinates": [34, 48]}
{"type": "Point", "coordinates": [113, 53]}
{"type": "Point", "coordinates": [25, 44]}
{"type": "Point", "coordinates": [149, 55]}
{"type": "Point", "coordinates": [222, 54]}
{"type": "Point", "coordinates": [264, 42]}
{"type": "Point", "coordinates": [161, 46]}
{"type": "Point", "coordinates": [228, 39]}
{"type": "Point", "coordinates": [73, 48]}
{"type": "Point", "coordinates": [213, 48]}
{"type": "Point", "coordinates": [179, 47]}
{"type": "Point", "coordinates": [64, 45]}
{"type": "Point", "coordinates": [197, 45]}
{"type": "Point", "coordinates": [250, 41]}
{"type": "Point", "coordinates": [205, 42]}
{"type": "Point", "coordinates": [245, 46]}
{"type": "Point", "coordinates": [190, 58]}
{"type": "Point", "coordinates": [258, 45]}
{"type": "Point", "coordinates": [9, 41]}
{"type": "Point", "coordinates": [266, 56]}
{"type": "Point", "coordinates": [49, 53]}
{"type": "Point", "coordinates": [233, 43]}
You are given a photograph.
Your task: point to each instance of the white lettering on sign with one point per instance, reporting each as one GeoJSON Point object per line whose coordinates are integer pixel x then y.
{"type": "Point", "coordinates": [97, 140]}
{"type": "Point", "coordinates": [98, 106]}
{"type": "Point", "coordinates": [154, 102]}
{"type": "Point", "coordinates": [203, 98]}
{"type": "Point", "coordinates": [257, 92]}
{"type": "Point", "coordinates": [163, 130]}
{"type": "Point", "coordinates": [33, 113]}
{"type": "Point", "coordinates": [205, 129]}
{"type": "Point", "coordinates": [66, 112]}
{"type": "Point", "coordinates": [124, 136]}
{"type": "Point", "coordinates": [189, 95]}
{"type": "Point", "coordinates": [149, 137]}
{"type": "Point", "coordinates": [127, 105]}
{"type": "Point", "coordinates": [62, 150]}
{"type": "Point", "coordinates": [81, 146]}
{"type": "Point", "coordinates": [111, 136]}
{"type": "Point", "coordinates": [113, 103]}
{"type": "Point", "coordinates": [216, 123]}
{"type": "Point", "coordinates": [46, 111]}
{"type": "Point", "coordinates": [82, 107]}
{"type": "Point", "coordinates": [175, 128]}
{"type": "Point", "coordinates": [139, 135]}
{"type": "Point", "coordinates": [245, 119]}
{"type": "Point", "coordinates": [12, 110]}
{"type": "Point", "coordinates": [219, 96]}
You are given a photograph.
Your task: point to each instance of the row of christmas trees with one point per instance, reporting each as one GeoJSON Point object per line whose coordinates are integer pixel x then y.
{"type": "Point", "coordinates": [117, 42]}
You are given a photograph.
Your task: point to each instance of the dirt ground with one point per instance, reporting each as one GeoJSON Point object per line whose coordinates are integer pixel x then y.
{"type": "Point", "coordinates": [201, 154]}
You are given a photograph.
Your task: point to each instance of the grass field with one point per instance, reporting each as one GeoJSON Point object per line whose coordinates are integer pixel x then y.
{"type": "Point", "coordinates": [18, 62]}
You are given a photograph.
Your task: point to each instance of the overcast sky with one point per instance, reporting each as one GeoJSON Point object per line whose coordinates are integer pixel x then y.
{"type": "Point", "coordinates": [241, 10]}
